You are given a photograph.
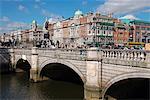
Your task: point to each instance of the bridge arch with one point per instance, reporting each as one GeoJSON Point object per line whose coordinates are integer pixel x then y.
{"type": "Point", "coordinates": [130, 75]}
{"type": "Point", "coordinates": [64, 62]}
{"type": "Point", "coordinates": [23, 65]}
{"type": "Point", "coordinates": [17, 58]}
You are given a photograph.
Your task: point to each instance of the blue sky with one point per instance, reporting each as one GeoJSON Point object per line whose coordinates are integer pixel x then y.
{"type": "Point", "coordinates": [15, 14]}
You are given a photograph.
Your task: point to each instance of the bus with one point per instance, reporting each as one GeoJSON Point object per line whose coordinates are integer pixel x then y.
{"type": "Point", "coordinates": [136, 45]}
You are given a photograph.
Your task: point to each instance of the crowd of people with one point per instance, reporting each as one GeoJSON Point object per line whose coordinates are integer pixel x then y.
{"type": "Point", "coordinates": [57, 44]}
{"type": "Point", "coordinates": [51, 44]}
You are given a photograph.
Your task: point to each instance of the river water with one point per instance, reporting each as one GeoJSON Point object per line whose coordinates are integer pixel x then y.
{"type": "Point", "coordinates": [16, 86]}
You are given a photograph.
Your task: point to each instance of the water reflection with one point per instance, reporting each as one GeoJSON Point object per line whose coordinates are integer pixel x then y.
{"type": "Point", "coordinates": [17, 87]}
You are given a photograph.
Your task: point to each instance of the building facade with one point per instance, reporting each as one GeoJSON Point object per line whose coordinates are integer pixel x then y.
{"type": "Point", "coordinates": [92, 29]}
{"type": "Point", "coordinates": [121, 34]}
{"type": "Point", "coordinates": [101, 29]}
{"type": "Point", "coordinates": [81, 29]}
{"type": "Point", "coordinates": [140, 31]}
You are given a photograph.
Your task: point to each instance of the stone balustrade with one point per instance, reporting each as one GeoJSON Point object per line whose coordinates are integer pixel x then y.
{"type": "Point", "coordinates": [125, 57]}
{"type": "Point", "coordinates": [136, 58]}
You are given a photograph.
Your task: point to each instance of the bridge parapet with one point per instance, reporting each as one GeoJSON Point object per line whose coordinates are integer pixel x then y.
{"type": "Point", "coordinates": [72, 54]}
{"type": "Point", "coordinates": [136, 58]}
{"type": "Point", "coordinates": [22, 51]}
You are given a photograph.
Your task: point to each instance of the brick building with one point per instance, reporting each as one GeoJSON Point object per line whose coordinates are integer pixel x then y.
{"type": "Point", "coordinates": [139, 31]}
{"type": "Point", "coordinates": [121, 33]}
{"type": "Point", "coordinates": [90, 29]}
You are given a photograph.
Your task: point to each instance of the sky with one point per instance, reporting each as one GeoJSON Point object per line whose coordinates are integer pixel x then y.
{"type": "Point", "coordinates": [18, 14]}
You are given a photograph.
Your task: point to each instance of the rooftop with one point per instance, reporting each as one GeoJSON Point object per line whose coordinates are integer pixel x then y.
{"type": "Point", "coordinates": [140, 22]}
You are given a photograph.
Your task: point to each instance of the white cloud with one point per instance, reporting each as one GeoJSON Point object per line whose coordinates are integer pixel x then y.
{"type": "Point", "coordinates": [51, 15]}
{"type": "Point", "coordinates": [17, 25]}
{"type": "Point", "coordinates": [22, 8]}
{"type": "Point", "coordinates": [147, 11]}
{"type": "Point", "coordinates": [122, 6]}
{"type": "Point", "coordinates": [2, 28]}
{"type": "Point", "coordinates": [131, 17]}
{"type": "Point", "coordinates": [11, 26]}
{"type": "Point", "coordinates": [46, 13]}
{"type": "Point", "coordinates": [84, 2]}
{"type": "Point", "coordinates": [4, 19]}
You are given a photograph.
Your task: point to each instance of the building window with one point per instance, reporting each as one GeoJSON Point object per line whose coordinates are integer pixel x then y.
{"type": "Point", "coordinates": [101, 27]}
{"type": "Point", "coordinates": [137, 33]}
{"type": "Point", "coordinates": [89, 32]}
{"type": "Point", "coordinates": [98, 32]}
{"type": "Point", "coordinates": [104, 32]}
{"type": "Point", "coordinates": [94, 18]}
{"type": "Point", "coordinates": [143, 40]}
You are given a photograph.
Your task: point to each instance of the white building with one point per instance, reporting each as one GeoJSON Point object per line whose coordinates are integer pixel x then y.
{"type": "Point", "coordinates": [58, 32]}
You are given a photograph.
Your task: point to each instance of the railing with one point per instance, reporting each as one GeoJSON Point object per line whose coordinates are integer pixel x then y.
{"type": "Point", "coordinates": [109, 56]}
{"type": "Point", "coordinates": [125, 57]}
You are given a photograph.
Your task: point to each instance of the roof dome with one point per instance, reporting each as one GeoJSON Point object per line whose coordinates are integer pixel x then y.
{"type": "Point", "coordinates": [78, 13]}
{"type": "Point", "coordinates": [51, 20]}
{"type": "Point", "coordinates": [33, 21]}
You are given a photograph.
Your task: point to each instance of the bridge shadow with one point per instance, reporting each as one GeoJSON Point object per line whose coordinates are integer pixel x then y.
{"type": "Point", "coordinates": [5, 62]}
{"type": "Point", "coordinates": [66, 81]}
{"type": "Point", "coordinates": [23, 66]}
{"type": "Point", "coordinates": [61, 72]}
{"type": "Point", "coordinates": [130, 89]}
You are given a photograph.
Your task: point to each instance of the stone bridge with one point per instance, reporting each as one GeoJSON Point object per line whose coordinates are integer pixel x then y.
{"type": "Point", "coordinates": [99, 69]}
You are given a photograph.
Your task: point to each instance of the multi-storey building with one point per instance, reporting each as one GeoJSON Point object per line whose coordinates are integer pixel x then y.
{"type": "Point", "coordinates": [35, 33]}
{"type": "Point", "coordinates": [121, 33]}
{"type": "Point", "coordinates": [65, 25]}
{"type": "Point", "coordinates": [25, 36]}
{"type": "Point", "coordinates": [101, 29]}
{"type": "Point", "coordinates": [51, 29]}
{"type": "Point", "coordinates": [71, 30]}
{"type": "Point", "coordinates": [2, 38]}
{"type": "Point", "coordinates": [16, 36]}
{"type": "Point", "coordinates": [58, 32]}
{"type": "Point", "coordinates": [82, 29]}
{"type": "Point", "coordinates": [140, 31]}
{"type": "Point", "coordinates": [7, 37]}
{"type": "Point", "coordinates": [90, 29]}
